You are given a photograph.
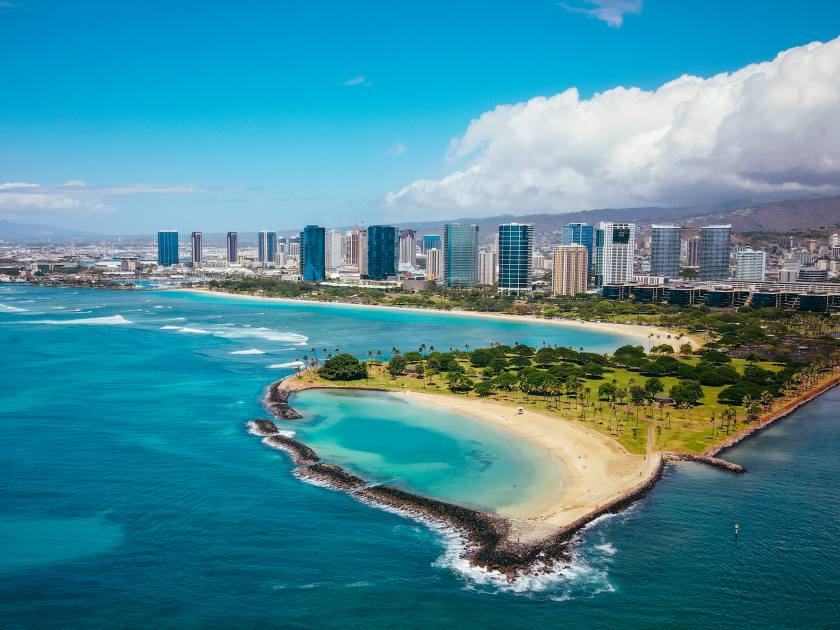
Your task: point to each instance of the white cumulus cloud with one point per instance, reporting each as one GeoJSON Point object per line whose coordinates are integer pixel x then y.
{"type": "Point", "coordinates": [610, 11]}
{"type": "Point", "coordinates": [768, 129]}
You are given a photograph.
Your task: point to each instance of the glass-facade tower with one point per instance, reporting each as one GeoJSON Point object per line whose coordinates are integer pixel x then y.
{"type": "Point", "coordinates": [312, 265]}
{"type": "Point", "coordinates": [430, 241]}
{"type": "Point", "coordinates": [232, 247]}
{"type": "Point", "coordinates": [714, 252]}
{"type": "Point", "coordinates": [665, 250]}
{"type": "Point", "coordinates": [460, 255]}
{"type": "Point", "coordinates": [516, 250]}
{"type": "Point", "coordinates": [383, 250]}
{"type": "Point", "coordinates": [266, 246]}
{"type": "Point", "coordinates": [167, 246]}
{"type": "Point", "coordinates": [581, 234]}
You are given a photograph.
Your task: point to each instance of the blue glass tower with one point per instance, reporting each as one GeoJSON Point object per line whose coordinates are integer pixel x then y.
{"type": "Point", "coordinates": [312, 266]}
{"type": "Point", "coordinates": [383, 247]}
{"type": "Point", "coordinates": [431, 241]}
{"type": "Point", "coordinates": [516, 250]}
{"type": "Point", "coordinates": [460, 255]}
{"type": "Point", "coordinates": [167, 245]}
{"type": "Point", "coordinates": [266, 246]}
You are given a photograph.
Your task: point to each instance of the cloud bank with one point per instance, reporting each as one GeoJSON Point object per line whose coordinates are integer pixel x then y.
{"type": "Point", "coordinates": [23, 198]}
{"type": "Point", "coordinates": [768, 129]}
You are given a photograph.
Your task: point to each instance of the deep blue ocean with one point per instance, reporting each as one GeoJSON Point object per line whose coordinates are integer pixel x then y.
{"type": "Point", "coordinates": [131, 494]}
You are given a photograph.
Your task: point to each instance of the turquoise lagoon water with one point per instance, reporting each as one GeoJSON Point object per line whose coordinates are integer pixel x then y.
{"type": "Point", "coordinates": [386, 439]}
{"type": "Point", "coordinates": [131, 494]}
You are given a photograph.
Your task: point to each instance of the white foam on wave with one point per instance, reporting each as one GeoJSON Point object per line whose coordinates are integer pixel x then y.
{"type": "Point", "coordinates": [187, 329]}
{"type": "Point", "coordinates": [606, 548]}
{"type": "Point", "coordinates": [290, 364]}
{"type": "Point", "coordinates": [262, 332]}
{"type": "Point", "coordinates": [249, 351]}
{"type": "Point", "coordinates": [11, 309]}
{"type": "Point", "coordinates": [113, 320]}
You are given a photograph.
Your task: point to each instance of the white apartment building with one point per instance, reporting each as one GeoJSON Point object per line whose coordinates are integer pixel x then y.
{"type": "Point", "coordinates": [750, 265]}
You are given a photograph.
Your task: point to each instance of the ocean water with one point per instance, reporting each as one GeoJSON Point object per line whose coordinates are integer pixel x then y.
{"type": "Point", "coordinates": [131, 494]}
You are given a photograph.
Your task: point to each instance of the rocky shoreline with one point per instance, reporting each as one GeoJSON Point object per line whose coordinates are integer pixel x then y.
{"type": "Point", "coordinates": [491, 541]}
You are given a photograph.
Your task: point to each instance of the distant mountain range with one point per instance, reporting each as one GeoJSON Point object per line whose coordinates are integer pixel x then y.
{"type": "Point", "coordinates": [28, 233]}
{"type": "Point", "coordinates": [744, 215]}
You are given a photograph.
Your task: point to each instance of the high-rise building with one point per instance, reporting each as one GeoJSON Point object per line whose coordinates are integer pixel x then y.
{"type": "Point", "coordinates": [750, 265]}
{"type": "Point", "coordinates": [434, 264]}
{"type": "Point", "coordinates": [312, 259]}
{"type": "Point", "coordinates": [834, 241]}
{"type": "Point", "coordinates": [693, 252]}
{"type": "Point", "coordinates": [408, 247]}
{"type": "Point", "coordinates": [714, 252]}
{"type": "Point", "coordinates": [197, 248]}
{"type": "Point", "coordinates": [615, 247]}
{"type": "Point", "coordinates": [516, 251]}
{"type": "Point", "coordinates": [431, 241]}
{"type": "Point", "coordinates": [266, 246]}
{"type": "Point", "coordinates": [538, 261]}
{"type": "Point", "coordinates": [167, 248]}
{"type": "Point", "coordinates": [487, 268]}
{"type": "Point", "coordinates": [570, 270]}
{"type": "Point", "coordinates": [460, 254]}
{"type": "Point", "coordinates": [582, 234]}
{"type": "Point", "coordinates": [232, 247]}
{"type": "Point", "coordinates": [382, 251]}
{"type": "Point", "coordinates": [333, 249]}
{"type": "Point", "coordinates": [665, 250]}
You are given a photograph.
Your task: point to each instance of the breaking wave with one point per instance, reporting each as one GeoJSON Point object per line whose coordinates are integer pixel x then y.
{"type": "Point", "coordinates": [11, 309]}
{"type": "Point", "coordinates": [249, 351]}
{"type": "Point", "coordinates": [290, 364]}
{"type": "Point", "coordinates": [94, 321]}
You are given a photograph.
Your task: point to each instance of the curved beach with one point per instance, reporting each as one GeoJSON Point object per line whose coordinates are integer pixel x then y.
{"type": "Point", "coordinates": [641, 332]}
{"type": "Point", "coordinates": [602, 477]}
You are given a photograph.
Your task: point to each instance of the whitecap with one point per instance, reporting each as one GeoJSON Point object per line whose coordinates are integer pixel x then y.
{"type": "Point", "coordinates": [606, 549]}
{"type": "Point", "coordinates": [262, 333]}
{"type": "Point", "coordinates": [249, 351]}
{"type": "Point", "coordinates": [100, 321]}
{"type": "Point", "coordinates": [11, 309]}
{"type": "Point", "coordinates": [290, 364]}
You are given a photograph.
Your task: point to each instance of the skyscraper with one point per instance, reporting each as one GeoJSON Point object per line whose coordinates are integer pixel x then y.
{"type": "Point", "coordinates": [693, 252]}
{"type": "Point", "coordinates": [714, 252]}
{"type": "Point", "coordinates": [197, 248]}
{"type": "Point", "coordinates": [408, 247]}
{"type": "Point", "coordinates": [232, 247]}
{"type": "Point", "coordinates": [333, 249]}
{"type": "Point", "coordinates": [167, 246]}
{"type": "Point", "coordinates": [382, 251]}
{"type": "Point", "coordinates": [460, 254]}
{"type": "Point", "coordinates": [615, 247]}
{"type": "Point", "coordinates": [487, 263]}
{"type": "Point", "coordinates": [266, 246]}
{"type": "Point", "coordinates": [582, 234]}
{"type": "Point", "coordinates": [312, 254]}
{"type": "Point", "coordinates": [665, 250]}
{"type": "Point", "coordinates": [516, 251]}
{"type": "Point", "coordinates": [431, 241]}
{"type": "Point", "coordinates": [750, 265]}
{"type": "Point", "coordinates": [434, 264]}
{"type": "Point", "coordinates": [570, 269]}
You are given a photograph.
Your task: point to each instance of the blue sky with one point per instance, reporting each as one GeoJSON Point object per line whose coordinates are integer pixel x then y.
{"type": "Point", "coordinates": [245, 115]}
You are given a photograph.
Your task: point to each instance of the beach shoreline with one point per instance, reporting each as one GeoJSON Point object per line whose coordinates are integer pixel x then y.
{"type": "Point", "coordinates": [602, 478]}
{"type": "Point", "coordinates": [640, 332]}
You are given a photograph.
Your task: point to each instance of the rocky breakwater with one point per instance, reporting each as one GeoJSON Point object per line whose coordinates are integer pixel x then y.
{"type": "Point", "coordinates": [277, 398]}
{"type": "Point", "coordinates": [705, 459]}
{"type": "Point", "coordinates": [490, 541]}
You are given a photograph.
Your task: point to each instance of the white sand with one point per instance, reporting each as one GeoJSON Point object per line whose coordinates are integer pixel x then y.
{"type": "Point", "coordinates": [652, 335]}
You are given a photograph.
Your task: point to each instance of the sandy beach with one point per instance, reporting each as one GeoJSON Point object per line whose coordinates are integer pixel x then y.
{"type": "Point", "coordinates": [636, 331]}
{"type": "Point", "coordinates": [599, 468]}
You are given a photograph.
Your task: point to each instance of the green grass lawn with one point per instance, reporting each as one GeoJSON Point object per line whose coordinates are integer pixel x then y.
{"type": "Point", "coordinates": [683, 430]}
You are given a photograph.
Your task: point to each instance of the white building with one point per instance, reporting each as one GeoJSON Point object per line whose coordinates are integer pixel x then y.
{"type": "Point", "coordinates": [408, 247]}
{"type": "Point", "coordinates": [617, 248]}
{"type": "Point", "coordinates": [488, 262]}
{"type": "Point", "coordinates": [333, 249]}
{"type": "Point", "coordinates": [434, 264]}
{"type": "Point", "coordinates": [750, 265]}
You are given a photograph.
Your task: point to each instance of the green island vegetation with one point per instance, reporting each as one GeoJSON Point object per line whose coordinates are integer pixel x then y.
{"type": "Point", "coordinates": [691, 399]}
{"type": "Point", "coordinates": [766, 334]}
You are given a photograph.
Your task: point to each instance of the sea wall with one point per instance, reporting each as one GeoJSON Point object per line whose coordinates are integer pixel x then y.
{"type": "Point", "coordinates": [765, 421]}
{"type": "Point", "coordinates": [705, 459]}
